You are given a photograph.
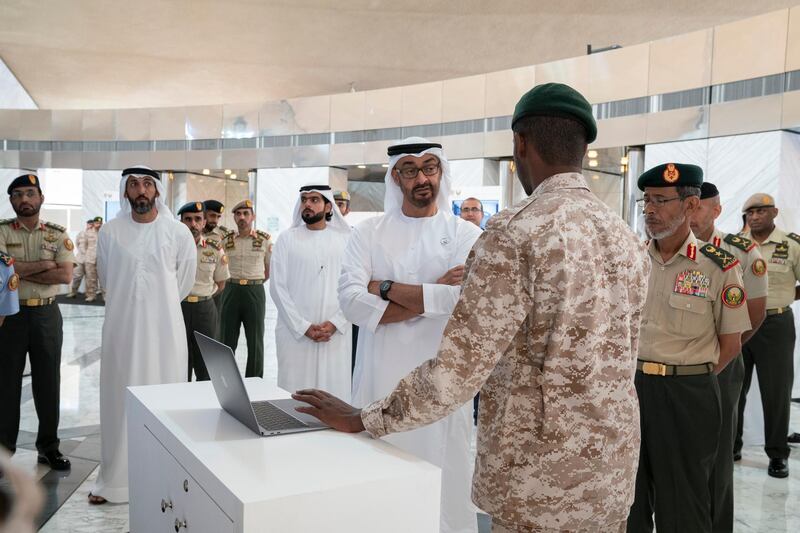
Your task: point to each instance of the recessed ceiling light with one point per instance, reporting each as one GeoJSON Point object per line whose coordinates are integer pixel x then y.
{"type": "Point", "coordinates": [233, 176]}
{"type": "Point", "coordinates": [592, 154]}
{"type": "Point", "coordinates": [362, 166]}
{"type": "Point", "coordinates": [593, 162]}
{"type": "Point", "coordinates": [206, 171]}
{"type": "Point", "coordinates": [227, 172]}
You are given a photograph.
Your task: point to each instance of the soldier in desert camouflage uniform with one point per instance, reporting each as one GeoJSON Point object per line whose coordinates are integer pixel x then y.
{"type": "Point", "coordinates": [547, 329]}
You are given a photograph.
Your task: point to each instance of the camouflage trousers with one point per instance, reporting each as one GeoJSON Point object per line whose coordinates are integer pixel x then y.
{"type": "Point", "coordinates": [619, 527]}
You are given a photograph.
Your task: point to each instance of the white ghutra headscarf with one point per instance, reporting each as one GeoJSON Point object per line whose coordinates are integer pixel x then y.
{"type": "Point", "coordinates": [416, 146]}
{"type": "Point", "coordinates": [336, 222]}
{"type": "Point", "coordinates": [141, 171]}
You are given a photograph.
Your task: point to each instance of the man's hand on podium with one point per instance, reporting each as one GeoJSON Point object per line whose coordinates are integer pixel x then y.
{"type": "Point", "coordinates": [331, 410]}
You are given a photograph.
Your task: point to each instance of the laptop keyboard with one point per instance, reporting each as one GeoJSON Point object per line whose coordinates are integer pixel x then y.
{"type": "Point", "coordinates": [271, 418]}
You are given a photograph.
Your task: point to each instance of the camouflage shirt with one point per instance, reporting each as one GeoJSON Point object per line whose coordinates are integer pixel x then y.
{"type": "Point", "coordinates": [547, 328]}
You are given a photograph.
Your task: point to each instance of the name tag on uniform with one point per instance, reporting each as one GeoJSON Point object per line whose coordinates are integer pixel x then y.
{"type": "Point", "coordinates": [692, 283]}
{"type": "Point", "coordinates": [777, 260]}
{"type": "Point", "coordinates": [50, 247]}
{"type": "Point", "coordinates": [208, 259]}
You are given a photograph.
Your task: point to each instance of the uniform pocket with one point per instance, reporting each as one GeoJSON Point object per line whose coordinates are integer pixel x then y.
{"type": "Point", "coordinates": [691, 316]}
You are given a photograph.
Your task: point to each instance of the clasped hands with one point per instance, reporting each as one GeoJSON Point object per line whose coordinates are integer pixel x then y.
{"type": "Point", "coordinates": [321, 332]}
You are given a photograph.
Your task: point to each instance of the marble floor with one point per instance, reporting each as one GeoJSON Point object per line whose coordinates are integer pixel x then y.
{"type": "Point", "coordinates": [764, 504]}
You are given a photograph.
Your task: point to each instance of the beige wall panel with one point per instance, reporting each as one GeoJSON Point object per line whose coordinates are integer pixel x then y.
{"type": "Point", "coordinates": [621, 131]}
{"type": "Point", "coordinates": [67, 125]}
{"type": "Point", "coordinates": [791, 110]}
{"type": "Point", "coordinates": [746, 116]}
{"type": "Point", "coordinates": [464, 98]}
{"type": "Point", "coordinates": [197, 160]}
{"type": "Point", "coordinates": [347, 154]}
{"type": "Point", "coordinates": [680, 62]}
{"type": "Point", "coordinates": [275, 157]}
{"type": "Point", "coordinates": [99, 125]}
{"type": "Point", "coordinates": [312, 115]}
{"type": "Point", "coordinates": [10, 123]}
{"type": "Point", "coordinates": [793, 40]}
{"type": "Point", "coordinates": [239, 158]}
{"type": "Point", "coordinates": [505, 87]}
{"type": "Point", "coordinates": [173, 160]}
{"type": "Point", "coordinates": [383, 108]}
{"type": "Point", "coordinates": [205, 122]}
{"type": "Point", "coordinates": [9, 159]}
{"type": "Point", "coordinates": [750, 48]}
{"type": "Point", "coordinates": [498, 144]}
{"type": "Point", "coordinates": [240, 120]}
{"type": "Point", "coordinates": [35, 125]}
{"type": "Point", "coordinates": [422, 104]}
{"type": "Point", "coordinates": [311, 156]}
{"type": "Point", "coordinates": [348, 111]}
{"type": "Point", "coordinates": [167, 123]}
{"type": "Point", "coordinates": [35, 160]}
{"type": "Point", "coordinates": [618, 74]}
{"type": "Point", "coordinates": [677, 125]}
{"type": "Point", "coordinates": [132, 124]}
{"type": "Point", "coordinates": [375, 152]}
{"type": "Point", "coordinates": [573, 72]}
{"type": "Point", "coordinates": [276, 118]}
{"type": "Point", "coordinates": [66, 159]}
{"type": "Point", "coordinates": [98, 161]}
{"type": "Point", "coordinates": [468, 146]}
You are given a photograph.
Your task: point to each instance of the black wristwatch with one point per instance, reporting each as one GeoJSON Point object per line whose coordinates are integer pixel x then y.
{"type": "Point", "coordinates": [385, 286]}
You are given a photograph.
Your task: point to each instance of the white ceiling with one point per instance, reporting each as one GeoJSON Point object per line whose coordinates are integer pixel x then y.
{"type": "Point", "coordinates": [148, 53]}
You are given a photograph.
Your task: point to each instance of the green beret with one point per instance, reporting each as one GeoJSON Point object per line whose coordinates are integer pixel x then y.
{"type": "Point", "coordinates": [672, 175]}
{"type": "Point", "coordinates": [557, 100]}
{"type": "Point", "coordinates": [97, 219]}
{"type": "Point", "coordinates": [26, 180]}
{"type": "Point", "coordinates": [191, 207]}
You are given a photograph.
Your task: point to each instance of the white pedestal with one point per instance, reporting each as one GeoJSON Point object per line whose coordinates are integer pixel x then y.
{"type": "Point", "coordinates": [220, 477]}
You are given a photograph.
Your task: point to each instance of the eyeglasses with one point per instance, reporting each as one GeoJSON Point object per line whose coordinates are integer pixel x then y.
{"type": "Point", "coordinates": [16, 195]}
{"type": "Point", "coordinates": [471, 210]}
{"type": "Point", "coordinates": [657, 202]}
{"type": "Point", "coordinates": [410, 173]}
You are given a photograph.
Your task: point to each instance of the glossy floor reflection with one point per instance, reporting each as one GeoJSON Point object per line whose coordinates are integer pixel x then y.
{"type": "Point", "coordinates": [762, 503]}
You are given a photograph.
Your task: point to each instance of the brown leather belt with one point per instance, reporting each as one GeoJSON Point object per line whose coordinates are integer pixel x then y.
{"type": "Point", "coordinates": [778, 310]}
{"type": "Point", "coordinates": [36, 302]}
{"type": "Point", "coordinates": [246, 281]}
{"type": "Point", "coordinates": [660, 369]}
{"type": "Point", "coordinates": [195, 299]}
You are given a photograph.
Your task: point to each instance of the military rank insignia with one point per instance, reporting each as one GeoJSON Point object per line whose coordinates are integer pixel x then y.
{"type": "Point", "coordinates": [733, 296]}
{"type": "Point", "coordinates": [671, 173]}
{"type": "Point", "coordinates": [794, 236]}
{"type": "Point", "coordinates": [692, 283]}
{"type": "Point", "coordinates": [720, 257]}
{"type": "Point", "coordinates": [13, 282]}
{"type": "Point", "coordinates": [739, 242]}
{"type": "Point", "coordinates": [68, 244]}
{"type": "Point", "coordinates": [781, 252]}
{"type": "Point", "coordinates": [759, 267]}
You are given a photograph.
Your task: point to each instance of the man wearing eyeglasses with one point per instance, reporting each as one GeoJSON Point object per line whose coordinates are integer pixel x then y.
{"type": "Point", "coordinates": [472, 211]}
{"type": "Point", "coordinates": [43, 259]}
{"type": "Point", "coordinates": [691, 329]}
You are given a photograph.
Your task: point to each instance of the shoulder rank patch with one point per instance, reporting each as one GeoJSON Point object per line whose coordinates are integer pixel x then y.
{"type": "Point", "coordinates": [794, 236]}
{"type": "Point", "coordinates": [759, 267]}
{"type": "Point", "coordinates": [13, 282]}
{"type": "Point", "coordinates": [6, 221]}
{"type": "Point", "coordinates": [68, 244]}
{"type": "Point", "coordinates": [733, 296]}
{"type": "Point", "coordinates": [55, 226]}
{"type": "Point", "coordinates": [721, 258]}
{"type": "Point", "coordinates": [267, 237]}
{"type": "Point", "coordinates": [223, 229]}
{"type": "Point", "coordinates": [6, 259]}
{"type": "Point", "coordinates": [739, 242]}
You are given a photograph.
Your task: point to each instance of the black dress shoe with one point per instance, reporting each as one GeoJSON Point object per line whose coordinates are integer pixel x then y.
{"type": "Point", "coordinates": [794, 438]}
{"type": "Point", "coordinates": [737, 456]}
{"type": "Point", "coordinates": [778, 468]}
{"type": "Point", "coordinates": [55, 460]}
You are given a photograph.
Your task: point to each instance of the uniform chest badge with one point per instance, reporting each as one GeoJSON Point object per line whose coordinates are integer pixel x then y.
{"type": "Point", "coordinates": [733, 296]}
{"type": "Point", "coordinates": [50, 237]}
{"type": "Point", "coordinates": [257, 244]}
{"type": "Point", "coordinates": [781, 251]}
{"type": "Point", "coordinates": [759, 267]}
{"type": "Point", "coordinates": [692, 283]}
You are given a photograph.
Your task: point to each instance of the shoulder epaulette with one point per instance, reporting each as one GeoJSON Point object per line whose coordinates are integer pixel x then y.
{"type": "Point", "coordinates": [721, 258]}
{"type": "Point", "coordinates": [215, 244]}
{"type": "Point", "coordinates": [263, 234]}
{"type": "Point", "coordinates": [228, 233]}
{"type": "Point", "coordinates": [794, 236]}
{"type": "Point", "coordinates": [6, 259]}
{"type": "Point", "coordinates": [55, 226]}
{"type": "Point", "coordinates": [223, 229]}
{"type": "Point", "coordinates": [740, 242]}
{"type": "Point", "coordinates": [6, 221]}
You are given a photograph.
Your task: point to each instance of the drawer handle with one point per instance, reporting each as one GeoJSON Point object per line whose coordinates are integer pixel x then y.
{"type": "Point", "coordinates": [179, 525]}
{"type": "Point", "coordinates": [185, 485]}
{"type": "Point", "coordinates": [165, 505]}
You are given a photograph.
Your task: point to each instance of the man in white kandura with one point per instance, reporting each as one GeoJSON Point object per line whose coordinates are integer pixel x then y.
{"type": "Point", "coordinates": [312, 335]}
{"type": "Point", "coordinates": [401, 278]}
{"type": "Point", "coordinates": [146, 262]}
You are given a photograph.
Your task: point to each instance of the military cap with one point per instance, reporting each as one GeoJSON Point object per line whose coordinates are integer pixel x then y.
{"type": "Point", "coordinates": [708, 190]}
{"type": "Point", "coordinates": [759, 199]}
{"type": "Point", "coordinates": [244, 204]}
{"type": "Point", "coordinates": [97, 219]}
{"type": "Point", "coordinates": [556, 100]}
{"type": "Point", "coordinates": [214, 205]}
{"type": "Point", "coordinates": [672, 175]}
{"type": "Point", "coordinates": [90, 221]}
{"type": "Point", "coordinates": [191, 207]}
{"type": "Point", "coordinates": [341, 196]}
{"type": "Point", "coordinates": [141, 171]}
{"type": "Point", "coordinates": [26, 180]}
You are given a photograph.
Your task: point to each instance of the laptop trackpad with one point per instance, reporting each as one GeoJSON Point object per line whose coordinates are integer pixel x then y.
{"type": "Point", "coordinates": [288, 405]}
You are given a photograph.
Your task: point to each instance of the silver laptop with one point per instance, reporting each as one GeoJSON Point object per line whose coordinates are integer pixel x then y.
{"type": "Point", "coordinates": [267, 418]}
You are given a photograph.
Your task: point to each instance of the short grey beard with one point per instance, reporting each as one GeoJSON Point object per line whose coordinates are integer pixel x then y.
{"type": "Point", "coordinates": [667, 232]}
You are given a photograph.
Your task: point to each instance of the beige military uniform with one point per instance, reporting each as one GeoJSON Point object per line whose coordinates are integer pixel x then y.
{"type": "Point", "coordinates": [781, 252]}
{"type": "Point", "coordinates": [217, 234]}
{"type": "Point", "coordinates": [212, 267]}
{"type": "Point", "coordinates": [691, 299]}
{"type": "Point", "coordinates": [248, 256]}
{"type": "Point", "coordinates": [754, 268]}
{"type": "Point", "coordinates": [46, 242]}
{"type": "Point", "coordinates": [547, 324]}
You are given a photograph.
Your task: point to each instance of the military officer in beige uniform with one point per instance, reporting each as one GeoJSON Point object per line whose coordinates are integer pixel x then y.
{"type": "Point", "coordinates": [215, 232]}
{"type": "Point", "coordinates": [691, 329]}
{"type": "Point", "coordinates": [244, 299]}
{"type": "Point", "coordinates": [771, 349]}
{"type": "Point", "coordinates": [754, 276]}
{"type": "Point", "coordinates": [199, 311]}
{"type": "Point", "coordinates": [43, 260]}
{"type": "Point", "coordinates": [78, 273]}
